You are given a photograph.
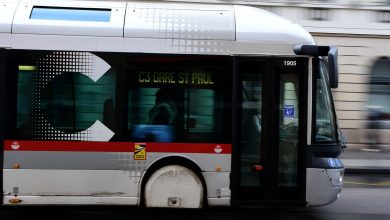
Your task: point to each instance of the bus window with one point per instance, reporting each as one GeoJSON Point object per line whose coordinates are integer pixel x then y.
{"type": "Point", "coordinates": [153, 113]}
{"type": "Point", "coordinates": [325, 127]}
{"type": "Point", "coordinates": [200, 104]}
{"type": "Point", "coordinates": [252, 90]}
{"type": "Point", "coordinates": [288, 133]}
{"type": "Point", "coordinates": [180, 98]}
{"type": "Point", "coordinates": [72, 102]}
{"type": "Point", "coordinates": [57, 98]}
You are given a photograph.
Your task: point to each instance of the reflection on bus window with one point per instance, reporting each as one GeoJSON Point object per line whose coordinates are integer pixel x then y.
{"type": "Point", "coordinates": [252, 91]}
{"type": "Point", "coordinates": [73, 102]}
{"type": "Point", "coordinates": [159, 123]}
{"type": "Point", "coordinates": [56, 98]}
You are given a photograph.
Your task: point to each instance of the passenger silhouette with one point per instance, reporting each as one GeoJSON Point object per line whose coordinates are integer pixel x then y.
{"type": "Point", "coordinates": [164, 111]}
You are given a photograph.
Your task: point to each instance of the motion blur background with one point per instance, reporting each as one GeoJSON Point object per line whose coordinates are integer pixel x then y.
{"type": "Point", "coordinates": [361, 31]}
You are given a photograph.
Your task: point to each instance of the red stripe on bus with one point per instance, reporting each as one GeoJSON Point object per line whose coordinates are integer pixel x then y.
{"type": "Point", "coordinates": [85, 146]}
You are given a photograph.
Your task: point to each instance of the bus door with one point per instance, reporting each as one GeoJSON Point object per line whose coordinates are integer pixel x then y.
{"type": "Point", "coordinates": [269, 137]}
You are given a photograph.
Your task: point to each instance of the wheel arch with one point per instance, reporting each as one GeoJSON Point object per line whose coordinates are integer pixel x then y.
{"type": "Point", "coordinates": [171, 160]}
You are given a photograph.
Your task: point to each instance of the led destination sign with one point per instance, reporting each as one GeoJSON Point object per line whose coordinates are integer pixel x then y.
{"type": "Point", "coordinates": [193, 78]}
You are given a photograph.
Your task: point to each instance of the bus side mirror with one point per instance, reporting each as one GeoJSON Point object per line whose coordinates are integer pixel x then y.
{"type": "Point", "coordinates": [330, 51]}
{"type": "Point", "coordinates": [333, 67]}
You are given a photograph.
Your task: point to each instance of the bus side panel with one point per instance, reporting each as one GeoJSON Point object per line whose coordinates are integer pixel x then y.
{"type": "Point", "coordinates": [46, 183]}
{"type": "Point", "coordinates": [81, 179]}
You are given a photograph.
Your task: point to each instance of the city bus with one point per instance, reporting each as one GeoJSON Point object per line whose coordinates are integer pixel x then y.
{"type": "Point", "coordinates": [163, 104]}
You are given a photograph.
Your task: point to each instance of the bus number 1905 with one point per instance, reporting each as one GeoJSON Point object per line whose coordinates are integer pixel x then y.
{"type": "Point", "coordinates": [290, 63]}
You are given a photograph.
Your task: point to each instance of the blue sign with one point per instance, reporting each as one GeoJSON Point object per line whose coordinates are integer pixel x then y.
{"type": "Point", "coordinates": [288, 111]}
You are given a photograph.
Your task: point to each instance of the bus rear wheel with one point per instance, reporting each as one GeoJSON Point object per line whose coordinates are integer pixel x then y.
{"type": "Point", "coordinates": [174, 186]}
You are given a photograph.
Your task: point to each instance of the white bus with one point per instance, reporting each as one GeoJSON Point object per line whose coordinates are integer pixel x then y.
{"type": "Point", "coordinates": [164, 105]}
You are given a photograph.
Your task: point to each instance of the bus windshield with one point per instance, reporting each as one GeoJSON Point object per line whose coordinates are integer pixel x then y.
{"type": "Point", "coordinates": [325, 126]}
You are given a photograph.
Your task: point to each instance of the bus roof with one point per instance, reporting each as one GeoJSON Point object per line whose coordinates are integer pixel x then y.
{"type": "Point", "coordinates": [159, 27]}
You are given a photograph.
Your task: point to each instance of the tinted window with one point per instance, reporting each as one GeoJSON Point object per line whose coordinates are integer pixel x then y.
{"type": "Point", "coordinates": [325, 127]}
{"type": "Point", "coordinates": [184, 98]}
{"type": "Point", "coordinates": [251, 120]}
{"type": "Point", "coordinates": [60, 95]}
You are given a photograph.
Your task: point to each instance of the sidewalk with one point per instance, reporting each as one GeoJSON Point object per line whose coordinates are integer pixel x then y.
{"type": "Point", "coordinates": [363, 160]}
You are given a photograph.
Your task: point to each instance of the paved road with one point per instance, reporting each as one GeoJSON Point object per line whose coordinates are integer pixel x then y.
{"type": "Point", "coordinates": [355, 204]}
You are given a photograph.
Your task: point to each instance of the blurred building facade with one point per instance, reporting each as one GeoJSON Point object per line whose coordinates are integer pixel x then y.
{"type": "Point", "coordinates": [361, 30]}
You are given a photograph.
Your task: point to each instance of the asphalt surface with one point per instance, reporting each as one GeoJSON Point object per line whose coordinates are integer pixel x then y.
{"type": "Point", "coordinates": [354, 204]}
